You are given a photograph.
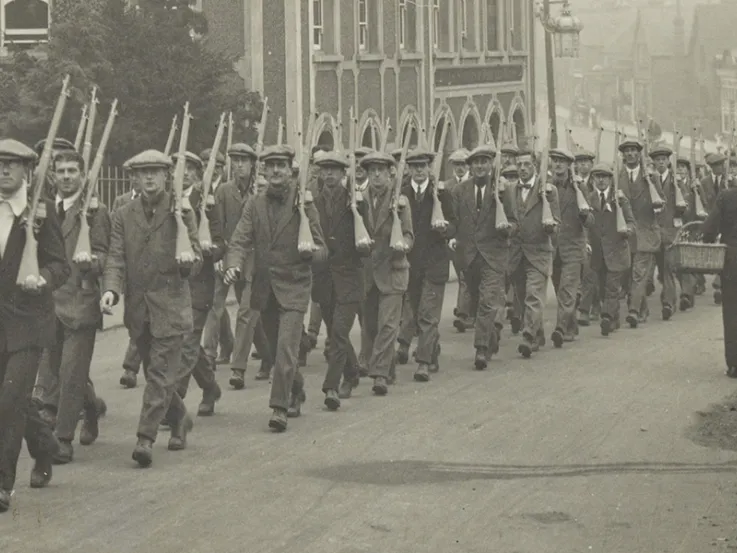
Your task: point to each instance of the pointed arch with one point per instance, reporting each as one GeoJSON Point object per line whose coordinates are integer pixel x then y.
{"type": "Point", "coordinates": [325, 131]}
{"type": "Point", "coordinates": [470, 129]}
{"type": "Point", "coordinates": [369, 129]}
{"type": "Point", "coordinates": [494, 117]}
{"type": "Point", "coordinates": [517, 119]}
{"type": "Point", "coordinates": [444, 116]}
{"type": "Point", "coordinates": [409, 115]}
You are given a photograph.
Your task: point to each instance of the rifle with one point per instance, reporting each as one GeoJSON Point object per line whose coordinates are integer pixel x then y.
{"type": "Point", "coordinates": [385, 135]}
{"type": "Point", "coordinates": [362, 238]}
{"type": "Point", "coordinates": [170, 139]}
{"type": "Point", "coordinates": [695, 185]}
{"type": "Point", "coordinates": [396, 239]}
{"type": "Point", "coordinates": [437, 220]}
{"type": "Point", "coordinates": [280, 132]}
{"type": "Point", "coordinates": [547, 212]}
{"type": "Point", "coordinates": [501, 216]}
{"type": "Point", "coordinates": [621, 223]}
{"type": "Point", "coordinates": [260, 139]}
{"type": "Point", "coordinates": [91, 117]}
{"type": "Point", "coordinates": [677, 138]}
{"type": "Point", "coordinates": [655, 197]}
{"type": "Point", "coordinates": [597, 145]}
{"type": "Point", "coordinates": [305, 240]}
{"type": "Point", "coordinates": [228, 144]}
{"type": "Point", "coordinates": [80, 128]}
{"type": "Point", "coordinates": [83, 249]}
{"type": "Point", "coordinates": [28, 270]}
{"type": "Point", "coordinates": [204, 228]}
{"type": "Point", "coordinates": [184, 251]}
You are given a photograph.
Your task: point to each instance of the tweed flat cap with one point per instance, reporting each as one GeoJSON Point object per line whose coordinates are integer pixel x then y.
{"type": "Point", "coordinates": [602, 169]}
{"type": "Point", "coordinates": [420, 155]}
{"type": "Point", "coordinates": [715, 159]}
{"type": "Point", "coordinates": [378, 158]}
{"type": "Point", "coordinates": [459, 156]}
{"type": "Point", "coordinates": [279, 151]}
{"type": "Point", "coordinates": [584, 155]}
{"type": "Point", "coordinates": [510, 171]}
{"type": "Point", "coordinates": [149, 158]}
{"type": "Point", "coordinates": [683, 161]}
{"type": "Point", "coordinates": [12, 149]}
{"type": "Point", "coordinates": [397, 154]}
{"type": "Point", "coordinates": [562, 153]}
{"type": "Point", "coordinates": [630, 143]}
{"type": "Point", "coordinates": [241, 149]}
{"type": "Point", "coordinates": [509, 149]}
{"type": "Point", "coordinates": [362, 152]}
{"type": "Point", "coordinates": [660, 150]}
{"type": "Point", "coordinates": [189, 156]}
{"type": "Point", "coordinates": [59, 144]}
{"type": "Point", "coordinates": [485, 150]}
{"type": "Point", "coordinates": [331, 159]}
{"type": "Point", "coordinates": [205, 156]}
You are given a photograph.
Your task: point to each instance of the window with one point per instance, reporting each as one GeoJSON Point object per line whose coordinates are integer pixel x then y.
{"type": "Point", "coordinates": [317, 24]}
{"type": "Point", "coordinates": [363, 35]}
{"type": "Point", "coordinates": [402, 23]}
{"type": "Point", "coordinates": [436, 24]}
{"type": "Point", "coordinates": [517, 27]}
{"type": "Point", "coordinates": [492, 25]}
{"type": "Point", "coordinates": [464, 19]}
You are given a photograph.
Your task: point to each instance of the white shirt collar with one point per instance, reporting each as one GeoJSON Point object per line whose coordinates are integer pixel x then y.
{"type": "Point", "coordinates": [664, 175]}
{"type": "Point", "coordinates": [420, 187]}
{"type": "Point", "coordinates": [634, 172]}
{"type": "Point", "coordinates": [18, 201]}
{"type": "Point", "coordinates": [134, 194]}
{"type": "Point", "coordinates": [606, 192]}
{"type": "Point", "coordinates": [362, 186]}
{"type": "Point", "coordinates": [68, 202]}
{"type": "Point", "coordinates": [464, 177]}
{"type": "Point", "coordinates": [187, 192]}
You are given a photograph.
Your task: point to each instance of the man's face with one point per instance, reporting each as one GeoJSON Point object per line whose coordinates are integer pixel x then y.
{"type": "Point", "coordinates": [717, 168]}
{"type": "Point", "coordinates": [584, 167]}
{"type": "Point", "coordinates": [379, 176]}
{"type": "Point", "coordinates": [682, 171]}
{"type": "Point", "coordinates": [481, 166]}
{"type": "Point", "coordinates": [460, 170]}
{"type": "Point", "coordinates": [602, 181]}
{"type": "Point", "coordinates": [278, 173]}
{"type": "Point", "coordinates": [560, 167]}
{"type": "Point", "coordinates": [361, 173]}
{"type": "Point", "coordinates": [420, 171]}
{"type": "Point", "coordinates": [661, 163]}
{"type": "Point", "coordinates": [218, 174]}
{"type": "Point", "coordinates": [526, 167]}
{"type": "Point", "coordinates": [241, 166]}
{"type": "Point", "coordinates": [191, 174]}
{"type": "Point", "coordinates": [68, 178]}
{"type": "Point", "coordinates": [152, 179]}
{"type": "Point", "coordinates": [507, 160]}
{"type": "Point", "coordinates": [12, 174]}
{"type": "Point", "coordinates": [332, 175]}
{"type": "Point", "coordinates": [631, 155]}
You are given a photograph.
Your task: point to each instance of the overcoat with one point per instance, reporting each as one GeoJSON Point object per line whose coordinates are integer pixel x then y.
{"type": "Point", "coordinates": [647, 238]}
{"type": "Point", "coordinates": [570, 240]}
{"type": "Point", "coordinates": [607, 246]}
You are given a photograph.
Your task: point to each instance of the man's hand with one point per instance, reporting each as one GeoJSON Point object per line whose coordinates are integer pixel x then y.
{"type": "Point", "coordinates": [107, 301]}
{"type": "Point", "coordinates": [231, 275]}
{"type": "Point", "coordinates": [453, 244]}
{"type": "Point", "coordinates": [33, 284]}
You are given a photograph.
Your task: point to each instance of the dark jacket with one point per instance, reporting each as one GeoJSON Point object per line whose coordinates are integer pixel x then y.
{"type": "Point", "coordinates": [202, 285]}
{"type": "Point", "coordinates": [722, 221]}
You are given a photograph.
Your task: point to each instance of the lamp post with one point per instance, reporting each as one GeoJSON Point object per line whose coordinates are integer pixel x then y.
{"type": "Point", "coordinates": [566, 29]}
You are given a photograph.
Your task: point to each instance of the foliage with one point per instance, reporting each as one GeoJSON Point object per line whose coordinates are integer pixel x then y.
{"type": "Point", "coordinates": [146, 57]}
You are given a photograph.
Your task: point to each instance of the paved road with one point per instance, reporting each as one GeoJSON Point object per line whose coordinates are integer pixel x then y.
{"type": "Point", "coordinates": [573, 451]}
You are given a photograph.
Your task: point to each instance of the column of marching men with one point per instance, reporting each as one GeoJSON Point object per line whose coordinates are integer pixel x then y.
{"type": "Point", "coordinates": [596, 230]}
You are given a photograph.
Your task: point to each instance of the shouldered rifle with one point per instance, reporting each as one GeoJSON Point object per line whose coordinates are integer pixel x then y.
{"type": "Point", "coordinates": [437, 220]}
{"type": "Point", "coordinates": [184, 251]}
{"type": "Point", "coordinates": [305, 240]}
{"type": "Point", "coordinates": [621, 222]}
{"type": "Point", "coordinates": [80, 129]}
{"type": "Point", "coordinates": [502, 222]}
{"type": "Point", "coordinates": [89, 131]}
{"type": "Point", "coordinates": [396, 239]}
{"type": "Point", "coordinates": [170, 138]}
{"type": "Point", "coordinates": [547, 213]}
{"type": "Point", "coordinates": [695, 184]}
{"type": "Point", "coordinates": [362, 238]}
{"type": "Point", "coordinates": [204, 228]}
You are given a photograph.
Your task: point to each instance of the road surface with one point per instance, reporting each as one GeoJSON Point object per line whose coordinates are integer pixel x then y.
{"type": "Point", "coordinates": [577, 450]}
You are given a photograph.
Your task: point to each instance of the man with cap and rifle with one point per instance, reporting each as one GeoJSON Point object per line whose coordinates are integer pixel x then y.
{"type": "Point", "coordinates": [610, 252]}
{"type": "Point", "coordinates": [387, 273]}
{"type": "Point", "coordinates": [531, 249]}
{"type": "Point", "coordinates": [26, 316]}
{"type": "Point", "coordinates": [143, 263]}
{"type": "Point", "coordinates": [646, 241]}
{"type": "Point", "coordinates": [429, 263]}
{"type": "Point", "coordinates": [481, 245]}
{"type": "Point", "coordinates": [570, 245]}
{"type": "Point", "coordinates": [712, 184]}
{"type": "Point", "coordinates": [194, 362]}
{"type": "Point", "coordinates": [65, 369]}
{"type": "Point", "coordinates": [230, 199]}
{"type": "Point", "coordinates": [263, 250]}
{"type": "Point", "coordinates": [338, 284]}
{"type": "Point", "coordinates": [59, 145]}
{"type": "Point", "coordinates": [588, 298]}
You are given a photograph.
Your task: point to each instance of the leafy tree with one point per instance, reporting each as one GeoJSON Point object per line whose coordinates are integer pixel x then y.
{"type": "Point", "coordinates": [146, 57]}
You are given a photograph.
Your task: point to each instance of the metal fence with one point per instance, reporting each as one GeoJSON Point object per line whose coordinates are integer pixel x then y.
{"type": "Point", "coordinates": [111, 183]}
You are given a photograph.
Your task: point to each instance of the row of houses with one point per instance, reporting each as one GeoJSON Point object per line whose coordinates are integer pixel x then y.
{"type": "Point", "coordinates": [671, 60]}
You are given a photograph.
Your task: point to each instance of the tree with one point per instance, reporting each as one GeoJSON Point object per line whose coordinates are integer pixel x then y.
{"type": "Point", "coordinates": [146, 57]}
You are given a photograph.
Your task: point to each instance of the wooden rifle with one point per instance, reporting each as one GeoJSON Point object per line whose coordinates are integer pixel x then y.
{"type": "Point", "coordinates": [228, 145]}
{"type": "Point", "coordinates": [680, 200]}
{"type": "Point", "coordinates": [80, 129]}
{"type": "Point", "coordinates": [83, 248]}
{"type": "Point", "coordinates": [695, 184]}
{"type": "Point", "coordinates": [89, 131]}
{"type": "Point", "coordinates": [280, 132]}
{"type": "Point", "coordinates": [501, 216]}
{"type": "Point", "coordinates": [204, 235]}
{"type": "Point", "coordinates": [621, 222]}
{"type": "Point", "coordinates": [437, 220]}
{"type": "Point", "coordinates": [184, 251]}
{"type": "Point", "coordinates": [655, 197]}
{"type": "Point", "coordinates": [305, 240]}
{"type": "Point", "coordinates": [170, 138]}
{"type": "Point", "coordinates": [362, 238]}
{"type": "Point", "coordinates": [28, 270]}
{"type": "Point", "coordinates": [396, 239]}
{"type": "Point", "coordinates": [260, 139]}
{"type": "Point", "coordinates": [547, 212]}
{"type": "Point", "coordinates": [385, 135]}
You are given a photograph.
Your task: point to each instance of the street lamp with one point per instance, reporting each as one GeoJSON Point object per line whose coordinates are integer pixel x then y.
{"type": "Point", "coordinates": [566, 28]}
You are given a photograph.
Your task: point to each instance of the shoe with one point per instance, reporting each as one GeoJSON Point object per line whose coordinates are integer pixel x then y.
{"type": "Point", "coordinates": [255, 355]}
{"type": "Point", "coordinates": [346, 389]}
{"type": "Point", "coordinates": [667, 312]}
{"type": "Point", "coordinates": [422, 374]}
{"type": "Point", "coordinates": [380, 386]}
{"type": "Point", "coordinates": [402, 354]}
{"type": "Point", "coordinates": [223, 359]}
{"type": "Point", "coordinates": [91, 423]}
{"type": "Point", "coordinates": [632, 319]}
{"type": "Point", "coordinates": [65, 454]}
{"type": "Point", "coordinates": [264, 373]}
{"type": "Point", "coordinates": [129, 379]}
{"type": "Point", "coordinates": [332, 401]}
{"type": "Point", "coordinates": [731, 372]}
{"type": "Point", "coordinates": [209, 397]}
{"type": "Point", "coordinates": [47, 416]}
{"type": "Point", "coordinates": [460, 325]}
{"type": "Point", "coordinates": [557, 338]}
{"type": "Point", "coordinates": [178, 439]}
{"type": "Point", "coordinates": [480, 362]}
{"type": "Point", "coordinates": [278, 420]}
{"type": "Point", "coordinates": [516, 325]}
{"type": "Point", "coordinates": [237, 380]}
{"type": "Point", "coordinates": [584, 319]}
{"type": "Point", "coordinates": [606, 326]}
{"type": "Point", "coordinates": [143, 453]}
{"type": "Point", "coordinates": [528, 347]}
{"type": "Point", "coordinates": [295, 405]}
{"type": "Point", "coordinates": [685, 303]}
{"type": "Point", "coordinates": [41, 472]}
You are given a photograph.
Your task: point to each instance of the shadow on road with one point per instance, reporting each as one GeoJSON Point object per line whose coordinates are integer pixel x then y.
{"type": "Point", "coordinates": [407, 473]}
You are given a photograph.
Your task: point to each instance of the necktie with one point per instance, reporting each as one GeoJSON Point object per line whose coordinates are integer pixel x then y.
{"type": "Point", "coordinates": [61, 211]}
{"type": "Point", "coordinates": [603, 201]}
{"type": "Point", "coordinates": [419, 194]}
{"type": "Point", "coordinates": [479, 197]}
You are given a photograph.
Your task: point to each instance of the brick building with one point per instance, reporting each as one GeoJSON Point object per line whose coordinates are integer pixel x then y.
{"type": "Point", "coordinates": [324, 56]}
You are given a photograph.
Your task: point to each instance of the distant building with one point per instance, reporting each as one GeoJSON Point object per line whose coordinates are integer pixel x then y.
{"type": "Point", "coordinates": [24, 23]}
{"type": "Point", "coordinates": [461, 62]}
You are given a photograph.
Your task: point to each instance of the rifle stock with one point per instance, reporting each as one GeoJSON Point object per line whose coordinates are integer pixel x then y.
{"type": "Point", "coordinates": [184, 252]}
{"type": "Point", "coordinates": [437, 219]}
{"type": "Point", "coordinates": [228, 144]}
{"type": "Point", "coordinates": [83, 248]}
{"type": "Point", "coordinates": [305, 240]}
{"type": "Point", "coordinates": [203, 232]}
{"type": "Point", "coordinates": [501, 216]}
{"type": "Point", "coordinates": [699, 210]}
{"type": "Point", "coordinates": [396, 239]}
{"type": "Point", "coordinates": [547, 212]}
{"type": "Point", "coordinates": [28, 270]}
{"type": "Point", "coordinates": [361, 236]}
{"type": "Point", "coordinates": [621, 222]}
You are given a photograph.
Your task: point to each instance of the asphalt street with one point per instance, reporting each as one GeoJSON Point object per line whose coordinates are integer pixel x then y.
{"type": "Point", "coordinates": [576, 450]}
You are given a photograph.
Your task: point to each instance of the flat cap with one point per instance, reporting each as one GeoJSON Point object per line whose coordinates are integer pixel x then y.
{"type": "Point", "coordinates": [12, 149]}
{"type": "Point", "coordinates": [149, 158]}
{"type": "Point", "coordinates": [241, 149]}
{"type": "Point", "coordinates": [510, 149]}
{"type": "Point", "coordinates": [205, 156]}
{"type": "Point", "coordinates": [188, 156]}
{"type": "Point", "coordinates": [562, 153]}
{"type": "Point", "coordinates": [279, 151]}
{"type": "Point", "coordinates": [584, 155]}
{"type": "Point", "coordinates": [485, 150]}
{"type": "Point", "coordinates": [420, 155]}
{"type": "Point", "coordinates": [660, 150]}
{"type": "Point", "coordinates": [715, 158]}
{"type": "Point", "coordinates": [510, 170]}
{"type": "Point", "coordinates": [602, 169]}
{"type": "Point", "coordinates": [59, 144]}
{"type": "Point", "coordinates": [683, 161]}
{"type": "Point", "coordinates": [318, 148]}
{"type": "Point", "coordinates": [630, 143]}
{"type": "Point", "coordinates": [362, 152]}
{"type": "Point", "coordinates": [378, 158]}
{"type": "Point", "coordinates": [331, 159]}
{"type": "Point", "coordinates": [397, 154]}
{"type": "Point", "coordinates": [459, 156]}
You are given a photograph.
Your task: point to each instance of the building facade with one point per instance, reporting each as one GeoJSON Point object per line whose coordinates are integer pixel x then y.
{"type": "Point", "coordinates": [417, 63]}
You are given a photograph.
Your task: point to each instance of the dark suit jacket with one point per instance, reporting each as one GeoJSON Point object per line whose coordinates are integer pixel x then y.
{"type": "Point", "coordinates": [608, 248]}
{"type": "Point", "coordinates": [388, 270]}
{"type": "Point", "coordinates": [722, 221]}
{"type": "Point", "coordinates": [273, 259]}
{"type": "Point", "coordinates": [476, 233]}
{"type": "Point", "coordinates": [202, 284]}
{"type": "Point", "coordinates": [77, 302]}
{"type": "Point", "coordinates": [712, 190]}
{"type": "Point", "coordinates": [341, 277]}
{"type": "Point", "coordinates": [229, 203]}
{"type": "Point", "coordinates": [28, 320]}
{"type": "Point", "coordinates": [532, 241]}
{"type": "Point", "coordinates": [570, 241]}
{"type": "Point", "coordinates": [666, 217]}
{"type": "Point", "coordinates": [647, 237]}
{"type": "Point", "coordinates": [121, 200]}
{"type": "Point", "coordinates": [429, 254]}
{"type": "Point", "coordinates": [142, 261]}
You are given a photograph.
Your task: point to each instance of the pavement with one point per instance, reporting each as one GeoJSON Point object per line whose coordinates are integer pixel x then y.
{"type": "Point", "coordinates": [583, 449]}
